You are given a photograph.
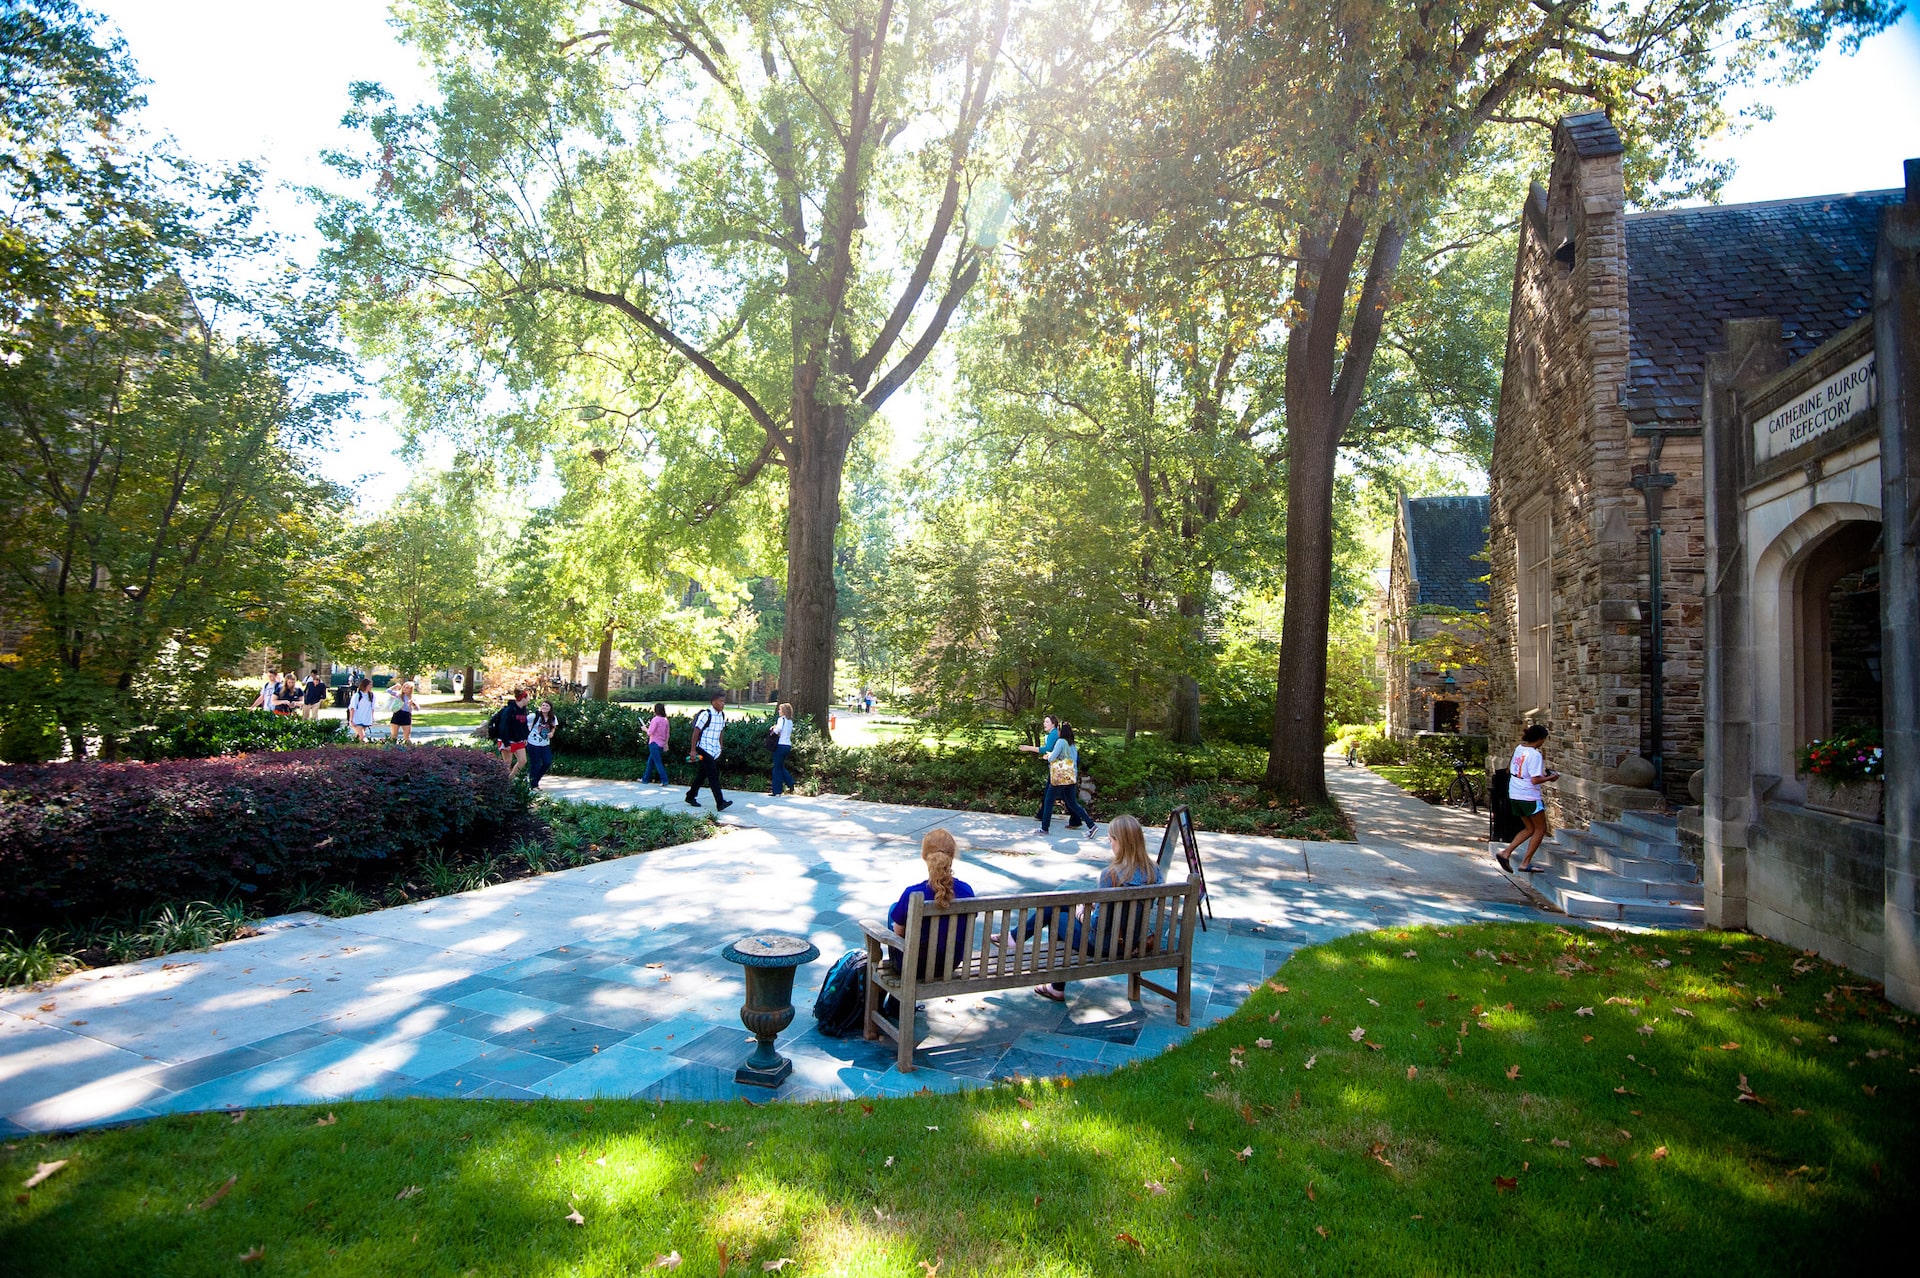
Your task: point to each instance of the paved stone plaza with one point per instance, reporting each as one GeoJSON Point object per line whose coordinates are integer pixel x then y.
{"type": "Point", "coordinates": [607, 980]}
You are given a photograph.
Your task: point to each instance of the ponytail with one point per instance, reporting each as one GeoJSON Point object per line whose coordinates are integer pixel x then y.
{"type": "Point", "coordinates": [938, 850]}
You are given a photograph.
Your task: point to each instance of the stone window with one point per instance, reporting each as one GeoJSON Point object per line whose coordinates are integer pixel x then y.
{"type": "Point", "coordinates": [1533, 577]}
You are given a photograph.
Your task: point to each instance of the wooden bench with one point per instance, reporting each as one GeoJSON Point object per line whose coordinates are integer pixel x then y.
{"type": "Point", "coordinates": [1155, 934]}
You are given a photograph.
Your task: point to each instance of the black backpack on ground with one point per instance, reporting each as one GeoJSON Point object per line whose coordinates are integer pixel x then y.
{"type": "Point", "coordinates": [843, 996]}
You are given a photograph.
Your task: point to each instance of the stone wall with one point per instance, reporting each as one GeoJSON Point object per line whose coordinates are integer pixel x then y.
{"type": "Point", "coordinates": [1817, 882]}
{"type": "Point", "coordinates": [1563, 443]}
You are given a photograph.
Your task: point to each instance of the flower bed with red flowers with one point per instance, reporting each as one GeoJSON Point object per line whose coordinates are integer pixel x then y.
{"type": "Point", "coordinates": [82, 839]}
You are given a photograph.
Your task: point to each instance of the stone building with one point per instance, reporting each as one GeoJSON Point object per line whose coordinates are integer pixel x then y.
{"type": "Point", "coordinates": [1436, 586]}
{"type": "Point", "coordinates": [1597, 532]}
{"type": "Point", "coordinates": [1813, 621]}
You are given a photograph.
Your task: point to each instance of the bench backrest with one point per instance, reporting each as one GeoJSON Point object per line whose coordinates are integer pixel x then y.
{"type": "Point", "coordinates": [1134, 922]}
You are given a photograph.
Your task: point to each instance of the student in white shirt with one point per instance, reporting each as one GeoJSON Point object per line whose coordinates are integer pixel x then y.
{"type": "Point", "coordinates": [782, 747]}
{"type": "Point", "coordinates": [1525, 775]}
{"type": "Point", "coordinates": [708, 727]}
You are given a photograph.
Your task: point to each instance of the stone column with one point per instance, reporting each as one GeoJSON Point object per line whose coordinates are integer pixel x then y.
{"type": "Point", "coordinates": [1896, 332]}
{"type": "Point", "coordinates": [1729, 804]}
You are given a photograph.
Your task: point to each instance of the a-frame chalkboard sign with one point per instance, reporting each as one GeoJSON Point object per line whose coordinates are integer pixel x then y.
{"type": "Point", "coordinates": [1180, 828]}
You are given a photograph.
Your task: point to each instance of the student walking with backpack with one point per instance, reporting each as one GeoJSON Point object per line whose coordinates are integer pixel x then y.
{"type": "Point", "coordinates": [1045, 748]}
{"type": "Point", "coordinates": [360, 709]}
{"type": "Point", "coordinates": [708, 726]}
{"type": "Point", "coordinates": [781, 737]}
{"type": "Point", "coordinates": [311, 695]}
{"type": "Point", "coordinates": [657, 729]}
{"type": "Point", "coordinates": [1526, 773]}
{"type": "Point", "coordinates": [508, 728]}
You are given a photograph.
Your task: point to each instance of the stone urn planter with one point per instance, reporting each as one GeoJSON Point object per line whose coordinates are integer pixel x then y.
{"type": "Point", "coordinates": [1861, 799]}
{"type": "Point", "coordinates": [769, 959]}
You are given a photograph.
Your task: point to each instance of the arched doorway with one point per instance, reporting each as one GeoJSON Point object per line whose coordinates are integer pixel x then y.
{"type": "Point", "coordinates": [1823, 652]}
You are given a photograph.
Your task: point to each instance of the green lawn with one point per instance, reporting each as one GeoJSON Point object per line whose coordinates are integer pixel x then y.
{"type": "Point", "coordinates": [1490, 1099]}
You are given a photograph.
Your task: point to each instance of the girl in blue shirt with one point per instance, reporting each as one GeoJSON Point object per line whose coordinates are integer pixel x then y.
{"type": "Point", "coordinates": [938, 850]}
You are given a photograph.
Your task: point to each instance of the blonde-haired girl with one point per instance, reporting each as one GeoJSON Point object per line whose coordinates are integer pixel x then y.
{"type": "Point", "coordinates": [939, 851]}
{"type": "Point", "coordinates": [1129, 867]}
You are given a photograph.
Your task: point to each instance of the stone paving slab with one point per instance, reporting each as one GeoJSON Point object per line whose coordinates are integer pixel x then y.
{"type": "Point", "coordinates": [607, 980]}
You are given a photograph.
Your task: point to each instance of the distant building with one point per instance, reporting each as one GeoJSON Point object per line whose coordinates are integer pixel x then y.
{"type": "Point", "coordinates": [1436, 585]}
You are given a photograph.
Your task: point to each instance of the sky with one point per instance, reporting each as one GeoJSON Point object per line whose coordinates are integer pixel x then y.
{"type": "Point", "coordinates": [241, 79]}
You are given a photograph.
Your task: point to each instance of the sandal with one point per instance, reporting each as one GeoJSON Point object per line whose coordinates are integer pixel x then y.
{"type": "Point", "coordinates": [1049, 992]}
{"type": "Point", "coordinates": [1505, 864]}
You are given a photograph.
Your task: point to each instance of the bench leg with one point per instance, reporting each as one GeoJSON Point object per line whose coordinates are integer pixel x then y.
{"type": "Point", "coordinates": [867, 1030]}
{"type": "Point", "coordinates": [1183, 1004]}
{"type": "Point", "coordinates": [908, 1021]}
{"type": "Point", "coordinates": [1133, 987]}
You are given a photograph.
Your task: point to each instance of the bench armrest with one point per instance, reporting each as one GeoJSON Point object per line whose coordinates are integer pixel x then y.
{"type": "Point", "coordinates": [882, 933]}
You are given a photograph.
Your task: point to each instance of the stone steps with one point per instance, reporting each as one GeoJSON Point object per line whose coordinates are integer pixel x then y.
{"type": "Point", "coordinates": [1626, 871]}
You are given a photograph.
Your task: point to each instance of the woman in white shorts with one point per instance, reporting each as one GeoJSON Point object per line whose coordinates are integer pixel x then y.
{"type": "Point", "coordinates": [1525, 775]}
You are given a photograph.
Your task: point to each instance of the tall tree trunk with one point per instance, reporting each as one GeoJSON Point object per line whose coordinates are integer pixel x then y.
{"type": "Point", "coordinates": [603, 672]}
{"type": "Point", "coordinates": [573, 668]}
{"type": "Point", "coordinates": [1296, 763]}
{"type": "Point", "coordinates": [1323, 392]}
{"type": "Point", "coordinates": [466, 689]}
{"type": "Point", "coordinates": [1183, 720]}
{"type": "Point", "coordinates": [815, 467]}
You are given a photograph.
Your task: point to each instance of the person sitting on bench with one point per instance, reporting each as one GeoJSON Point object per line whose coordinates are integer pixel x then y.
{"type": "Point", "coordinates": [938, 850]}
{"type": "Point", "coordinates": [1130, 867]}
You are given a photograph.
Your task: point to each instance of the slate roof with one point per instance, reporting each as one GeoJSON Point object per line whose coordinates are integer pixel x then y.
{"type": "Point", "coordinates": [1807, 262]}
{"type": "Point", "coordinates": [1446, 537]}
{"type": "Point", "coordinates": [1592, 135]}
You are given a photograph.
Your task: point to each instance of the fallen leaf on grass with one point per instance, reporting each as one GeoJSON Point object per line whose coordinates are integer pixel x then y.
{"type": "Point", "coordinates": [328, 1121]}
{"type": "Point", "coordinates": [575, 1216]}
{"type": "Point", "coordinates": [600, 1162]}
{"type": "Point", "coordinates": [239, 1115]}
{"type": "Point", "coordinates": [1321, 1230]}
{"type": "Point", "coordinates": [669, 1261]}
{"type": "Point", "coordinates": [1276, 987]}
{"type": "Point", "coordinates": [1373, 1046]}
{"type": "Point", "coordinates": [1583, 1011]}
{"type": "Point", "coordinates": [1024, 1103]}
{"type": "Point", "coordinates": [1413, 1072]}
{"type": "Point", "coordinates": [1729, 1047]}
{"type": "Point", "coordinates": [1379, 1153]}
{"type": "Point", "coordinates": [44, 1170]}
{"type": "Point", "coordinates": [1409, 954]}
{"type": "Point", "coordinates": [1599, 1160]}
{"type": "Point", "coordinates": [933, 1267]}
{"type": "Point", "coordinates": [889, 1161]}
{"type": "Point", "coordinates": [218, 1194]}
{"type": "Point", "coordinates": [1311, 1196]}
{"type": "Point", "coordinates": [252, 1254]}
{"type": "Point", "coordinates": [1311, 1060]}
{"type": "Point", "coordinates": [1869, 1089]}
{"type": "Point", "coordinates": [1680, 1011]}
{"type": "Point", "coordinates": [700, 1165]}
{"type": "Point", "coordinates": [408, 1192]}
{"type": "Point", "coordinates": [1356, 1033]}
{"type": "Point", "coordinates": [1504, 1183]}
{"type": "Point", "coordinates": [775, 1266]}
{"type": "Point", "coordinates": [1245, 1154]}
{"type": "Point", "coordinates": [1513, 1072]}
{"type": "Point", "coordinates": [1660, 1153]}
{"type": "Point", "coordinates": [1156, 1188]}
{"type": "Point", "coordinates": [1130, 1241]}
{"type": "Point", "coordinates": [1263, 1042]}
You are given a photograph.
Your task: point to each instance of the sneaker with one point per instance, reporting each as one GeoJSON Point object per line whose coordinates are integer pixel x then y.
{"type": "Point", "coordinates": [723, 805]}
{"type": "Point", "coordinates": [693, 803]}
{"type": "Point", "coordinates": [1091, 829]}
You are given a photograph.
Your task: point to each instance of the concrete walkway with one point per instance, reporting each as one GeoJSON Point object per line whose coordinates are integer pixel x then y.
{"type": "Point", "coordinates": [1407, 843]}
{"type": "Point", "coordinates": [606, 980]}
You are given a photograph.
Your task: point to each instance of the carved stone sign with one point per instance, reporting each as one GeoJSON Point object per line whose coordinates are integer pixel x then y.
{"type": "Point", "coordinates": [1817, 410]}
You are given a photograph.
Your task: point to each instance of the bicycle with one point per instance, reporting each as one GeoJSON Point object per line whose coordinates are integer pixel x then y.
{"type": "Point", "coordinates": [1462, 791]}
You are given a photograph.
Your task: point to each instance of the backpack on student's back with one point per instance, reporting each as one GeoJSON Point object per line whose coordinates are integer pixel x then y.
{"type": "Point", "coordinates": [842, 1004]}
{"type": "Point", "coordinates": [497, 724]}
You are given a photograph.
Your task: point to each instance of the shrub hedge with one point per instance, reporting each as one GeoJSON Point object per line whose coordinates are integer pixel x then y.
{"type": "Point", "coordinates": [187, 735]}
{"type": "Point", "coordinates": [661, 692]}
{"type": "Point", "coordinates": [82, 839]}
{"type": "Point", "coordinates": [612, 729]}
